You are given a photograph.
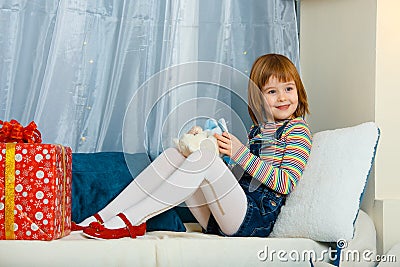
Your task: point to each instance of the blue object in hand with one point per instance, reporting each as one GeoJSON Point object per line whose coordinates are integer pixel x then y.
{"type": "Point", "coordinates": [214, 126]}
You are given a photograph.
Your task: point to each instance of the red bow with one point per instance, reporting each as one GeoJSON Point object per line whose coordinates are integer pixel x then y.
{"type": "Point", "coordinates": [13, 131]}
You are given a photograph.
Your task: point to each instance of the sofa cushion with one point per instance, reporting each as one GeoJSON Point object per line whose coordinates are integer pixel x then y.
{"type": "Point", "coordinates": [163, 249]}
{"type": "Point", "coordinates": [326, 201]}
{"type": "Point", "coordinates": [97, 178]}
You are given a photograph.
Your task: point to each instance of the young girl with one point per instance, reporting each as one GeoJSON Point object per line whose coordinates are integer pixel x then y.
{"type": "Point", "coordinates": [279, 146]}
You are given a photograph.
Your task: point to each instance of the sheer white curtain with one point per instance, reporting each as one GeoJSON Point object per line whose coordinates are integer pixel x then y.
{"type": "Point", "coordinates": [74, 66]}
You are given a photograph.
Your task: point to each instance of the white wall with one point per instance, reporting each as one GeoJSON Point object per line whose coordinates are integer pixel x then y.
{"type": "Point", "coordinates": [337, 58]}
{"type": "Point", "coordinates": [350, 56]}
{"type": "Point", "coordinates": [387, 98]}
{"type": "Point", "coordinates": [337, 52]}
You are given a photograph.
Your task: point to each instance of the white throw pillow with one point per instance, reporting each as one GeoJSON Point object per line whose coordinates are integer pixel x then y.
{"type": "Point", "coordinates": [325, 203]}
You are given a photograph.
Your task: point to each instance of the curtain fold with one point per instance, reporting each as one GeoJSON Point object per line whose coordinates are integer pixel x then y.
{"type": "Point", "coordinates": [74, 66]}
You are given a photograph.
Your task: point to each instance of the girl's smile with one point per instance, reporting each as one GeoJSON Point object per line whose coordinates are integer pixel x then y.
{"type": "Point", "coordinates": [281, 98]}
{"type": "Point", "coordinates": [283, 107]}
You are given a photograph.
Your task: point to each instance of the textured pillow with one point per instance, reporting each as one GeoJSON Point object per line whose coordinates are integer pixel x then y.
{"type": "Point", "coordinates": [325, 203]}
{"type": "Point", "coordinates": [97, 178]}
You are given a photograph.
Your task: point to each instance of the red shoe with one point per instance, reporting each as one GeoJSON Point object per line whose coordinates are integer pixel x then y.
{"type": "Point", "coordinates": [75, 227]}
{"type": "Point", "coordinates": [98, 231]}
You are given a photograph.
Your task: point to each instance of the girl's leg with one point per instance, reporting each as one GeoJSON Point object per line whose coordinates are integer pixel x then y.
{"type": "Point", "coordinates": [145, 183]}
{"type": "Point", "coordinates": [225, 198]}
{"type": "Point", "coordinates": [197, 205]}
{"type": "Point", "coordinates": [203, 170]}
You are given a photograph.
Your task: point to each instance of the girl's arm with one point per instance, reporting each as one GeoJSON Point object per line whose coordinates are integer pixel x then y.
{"type": "Point", "coordinates": [285, 177]}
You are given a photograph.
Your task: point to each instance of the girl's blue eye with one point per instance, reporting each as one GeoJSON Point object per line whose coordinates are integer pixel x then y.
{"type": "Point", "coordinates": [289, 88]}
{"type": "Point", "coordinates": [271, 92]}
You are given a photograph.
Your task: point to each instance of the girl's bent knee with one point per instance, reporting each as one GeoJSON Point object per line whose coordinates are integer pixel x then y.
{"type": "Point", "coordinates": [173, 156]}
{"type": "Point", "coordinates": [202, 156]}
{"type": "Point", "coordinates": [204, 160]}
{"type": "Point", "coordinates": [173, 153]}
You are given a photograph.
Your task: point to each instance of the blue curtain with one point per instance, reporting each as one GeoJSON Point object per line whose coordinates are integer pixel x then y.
{"type": "Point", "coordinates": [74, 66]}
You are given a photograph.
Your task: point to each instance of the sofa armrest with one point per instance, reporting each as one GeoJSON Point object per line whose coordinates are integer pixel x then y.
{"type": "Point", "coordinates": [361, 250]}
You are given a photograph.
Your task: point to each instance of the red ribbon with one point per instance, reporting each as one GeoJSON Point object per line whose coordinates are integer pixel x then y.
{"type": "Point", "coordinates": [13, 131]}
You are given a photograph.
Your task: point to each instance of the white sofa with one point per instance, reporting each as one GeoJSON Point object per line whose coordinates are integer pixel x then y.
{"type": "Point", "coordinates": [323, 207]}
{"type": "Point", "coordinates": [191, 248]}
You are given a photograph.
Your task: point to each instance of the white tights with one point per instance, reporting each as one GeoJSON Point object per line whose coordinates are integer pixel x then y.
{"type": "Point", "coordinates": [201, 180]}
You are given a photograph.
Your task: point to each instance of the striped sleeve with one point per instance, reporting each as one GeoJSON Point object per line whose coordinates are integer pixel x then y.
{"type": "Point", "coordinates": [284, 178]}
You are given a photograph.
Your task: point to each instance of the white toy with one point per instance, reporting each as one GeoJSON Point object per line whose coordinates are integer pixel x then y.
{"type": "Point", "coordinates": [197, 137]}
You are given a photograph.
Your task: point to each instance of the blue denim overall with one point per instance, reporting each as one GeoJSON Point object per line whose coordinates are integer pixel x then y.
{"type": "Point", "coordinates": [263, 203]}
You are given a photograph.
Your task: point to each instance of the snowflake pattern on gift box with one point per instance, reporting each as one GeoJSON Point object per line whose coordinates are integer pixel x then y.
{"type": "Point", "coordinates": [42, 192]}
{"type": "Point", "coordinates": [20, 235]}
{"type": "Point", "coordinates": [25, 225]}
{"type": "Point", "coordinates": [37, 204]}
{"type": "Point", "coordinates": [38, 183]}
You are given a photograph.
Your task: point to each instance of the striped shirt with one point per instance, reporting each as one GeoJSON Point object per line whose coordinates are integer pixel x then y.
{"type": "Point", "coordinates": [281, 162]}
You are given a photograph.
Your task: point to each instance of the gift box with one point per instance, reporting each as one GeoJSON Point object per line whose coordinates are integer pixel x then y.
{"type": "Point", "coordinates": [35, 191]}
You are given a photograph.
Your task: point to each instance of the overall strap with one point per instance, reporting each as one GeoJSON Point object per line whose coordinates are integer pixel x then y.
{"type": "Point", "coordinates": [279, 131]}
{"type": "Point", "coordinates": [256, 145]}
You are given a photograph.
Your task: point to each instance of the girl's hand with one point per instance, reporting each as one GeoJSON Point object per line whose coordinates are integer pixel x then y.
{"type": "Point", "coordinates": [228, 143]}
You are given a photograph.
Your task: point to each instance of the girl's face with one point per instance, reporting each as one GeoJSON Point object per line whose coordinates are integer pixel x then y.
{"type": "Point", "coordinates": [281, 97]}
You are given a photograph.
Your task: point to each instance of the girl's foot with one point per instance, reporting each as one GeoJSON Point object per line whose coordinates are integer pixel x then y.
{"type": "Point", "coordinates": [98, 231]}
{"type": "Point", "coordinates": [86, 223]}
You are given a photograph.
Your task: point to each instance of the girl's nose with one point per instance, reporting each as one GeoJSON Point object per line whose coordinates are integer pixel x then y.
{"type": "Point", "coordinates": [281, 96]}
